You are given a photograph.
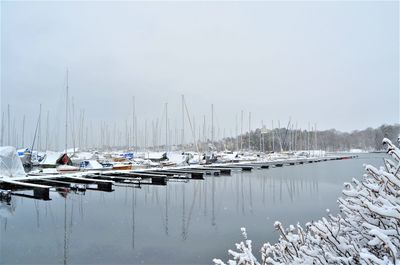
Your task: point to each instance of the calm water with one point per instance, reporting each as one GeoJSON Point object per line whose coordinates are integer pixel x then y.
{"type": "Point", "coordinates": [185, 223]}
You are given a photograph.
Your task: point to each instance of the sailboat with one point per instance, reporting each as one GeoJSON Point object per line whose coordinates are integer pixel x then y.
{"type": "Point", "coordinates": [65, 161]}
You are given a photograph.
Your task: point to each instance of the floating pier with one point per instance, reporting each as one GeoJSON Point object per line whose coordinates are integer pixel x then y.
{"type": "Point", "coordinates": [41, 192]}
{"type": "Point", "coordinates": [42, 184]}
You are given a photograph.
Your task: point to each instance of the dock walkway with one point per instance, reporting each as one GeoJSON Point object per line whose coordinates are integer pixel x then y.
{"type": "Point", "coordinates": [104, 180]}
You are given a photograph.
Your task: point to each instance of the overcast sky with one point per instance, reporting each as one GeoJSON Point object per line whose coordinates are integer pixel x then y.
{"type": "Point", "coordinates": [331, 63]}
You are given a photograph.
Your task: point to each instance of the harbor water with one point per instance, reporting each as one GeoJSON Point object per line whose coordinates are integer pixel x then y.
{"type": "Point", "coordinates": [184, 222]}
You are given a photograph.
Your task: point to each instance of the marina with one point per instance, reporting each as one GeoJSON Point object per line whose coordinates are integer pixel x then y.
{"type": "Point", "coordinates": [199, 132]}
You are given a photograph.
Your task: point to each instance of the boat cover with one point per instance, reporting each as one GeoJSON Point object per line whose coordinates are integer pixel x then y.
{"type": "Point", "coordinates": [10, 163]}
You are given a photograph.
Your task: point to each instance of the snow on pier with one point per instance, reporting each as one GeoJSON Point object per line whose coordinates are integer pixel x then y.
{"type": "Point", "coordinates": [103, 180]}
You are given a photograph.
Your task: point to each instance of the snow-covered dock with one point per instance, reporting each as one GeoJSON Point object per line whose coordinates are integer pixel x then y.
{"type": "Point", "coordinates": [103, 180]}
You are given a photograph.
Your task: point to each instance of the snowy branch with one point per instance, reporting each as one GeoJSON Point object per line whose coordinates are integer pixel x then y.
{"type": "Point", "coordinates": [366, 231]}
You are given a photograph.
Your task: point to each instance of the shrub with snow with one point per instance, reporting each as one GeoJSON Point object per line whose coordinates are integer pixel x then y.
{"type": "Point", "coordinates": [367, 230]}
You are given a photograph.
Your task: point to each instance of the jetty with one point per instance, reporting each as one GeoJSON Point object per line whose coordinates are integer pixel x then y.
{"type": "Point", "coordinates": [39, 186]}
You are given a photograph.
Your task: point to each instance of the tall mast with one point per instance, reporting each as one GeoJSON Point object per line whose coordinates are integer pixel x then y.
{"type": "Point", "coordinates": [127, 135]}
{"type": "Point", "coordinates": [86, 136]}
{"type": "Point", "coordinates": [133, 122]}
{"type": "Point", "coordinates": [212, 123]}
{"type": "Point", "coordinates": [170, 141]}
{"type": "Point", "coordinates": [204, 128]}
{"type": "Point", "coordinates": [158, 140]}
{"type": "Point", "coordinates": [224, 140]}
{"type": "Point", "coordinates": [66, 116]}
{"type": "Point", "coordinates": [308, 139]}
{"type": "Point", "coordinates": [193, 132]}
{"type": "Point", "coordinates": [199, 135]}
{"type": "Point", "coordinates": [145, 135]}
{"type": "Point", "coordinates": [2, 129]}
{"type": "Point", "coordinates": [194, 128]}
{"type": "Point", "coordinates": [176, 136]}
{"type": "Point", "coordinates": [73, 124]}
{"type": "Point", "coordinates": [136, 131]}
{"type": "Point", "coordinates": [273, 137]}
{"type": "Point", "coordinates": [295, 138]}
{"type": "Point", "coordinates": [249, 130]}
{"type": "Point", "coordinates": [153, 138]}
{"type": "Point", "coordinates": [8, 125]}
{"type": "Point", "coordinates": [40, 129]}
{"type": "Point", "coordinates": [14, 132]}
{"type": "Point", "coordinates": [183, 122]}
{"type": "Point", "coordinates": [236, 132]}
{"type": "Point", "coordinates": [241, 131]}
{"type": "Point", "coordinates": [23, 131]}
{"type": "Point", "coordinates": [261, 135]}
{"type": "Point", "coordinates": [166, 126]}
{"type": "Point", "coordinates": [47, 130]}
{"type": "Point", "coordinates": [315, 129]}
{"type": "Point", "coordinates": [82, 129]}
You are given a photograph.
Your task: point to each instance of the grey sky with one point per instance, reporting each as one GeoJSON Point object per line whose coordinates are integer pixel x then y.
{"type": "Point", "coordinates": [331, 63]}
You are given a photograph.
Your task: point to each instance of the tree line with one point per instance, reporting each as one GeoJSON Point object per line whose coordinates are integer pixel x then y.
{"type": "Point", "coordinates": [284, 139]}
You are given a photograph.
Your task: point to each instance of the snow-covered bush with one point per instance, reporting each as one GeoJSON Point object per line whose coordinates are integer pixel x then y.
{"type": "Point", "coordinates": [367, 230]}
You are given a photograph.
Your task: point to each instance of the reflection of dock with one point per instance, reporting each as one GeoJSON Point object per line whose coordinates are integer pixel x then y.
{"type": "Point", "coordinates": [41, 185]}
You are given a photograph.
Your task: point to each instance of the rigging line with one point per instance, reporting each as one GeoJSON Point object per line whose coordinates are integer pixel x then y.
{"type": "Point", "coordinates": [191, 128]}
{"type": "Point", "coordinates": [34, 137]}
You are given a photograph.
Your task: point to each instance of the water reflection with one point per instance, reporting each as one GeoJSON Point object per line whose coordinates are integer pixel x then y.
{"type": "Point", "coordinates": [213, 222]}
{"type": "Point", "coordinates": [133, 217]}
{"type": "Point", "coordinates": [192, 200]}
{"type": "Point", "coordinates": [183, 213]}
{"type": "Point", "coordinates": [166, 210]}
{"type": "Point", "coordinates": [7, 210]}
{"type": "Point", "coordinates": [65, 231]}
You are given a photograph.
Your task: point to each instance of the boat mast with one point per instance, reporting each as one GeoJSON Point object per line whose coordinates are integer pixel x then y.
{"type": "Point", "coordinates": [273, 137]}
{"type": "Point", "coordinates": [8, 126]}
{"type": "Point", "coordinates": [127, 135]}
{"type": "Point", "coordinates": [308, 139]}
{"type": "Point", "coordinates": [40, 129]}
{"type": "Point", "coordinates": [241, 131]}
{"type": "Point", "coordinates": [2, 129]}
{"type": "Point", "coordinates": [193, 132]}
{"type": "Point", "coordinates": [73, 124]}
{"type": "Point", "coordinates": [204, 129]}
{"type": "Point", "coordinates": [47, 130]}
{"type": "Point", "coordinates": [183, 122]}
{"type": "Point", "coordinates": [315, 129]}
{"type": "Point", "coordinates": [23, 131]}
{"type": "Point", "coordinates": [261, 136]}
{"type": "Point", "coordinates": [236, 132]}
{"type": "Point", "coordinates": [145, 135]}
{"type": "Point", "coordinates": [136, 128]}
{"type": "Point", "coordinates": [66, 116]}
{"type": "Point", "coordinates": [249, 130]}
{"type": "Point", "coordinates": [133, 123]}
{"type": "Point", "coordinates": [212, 124]}
{"type": "Point", "coordinates": [166, 127]}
